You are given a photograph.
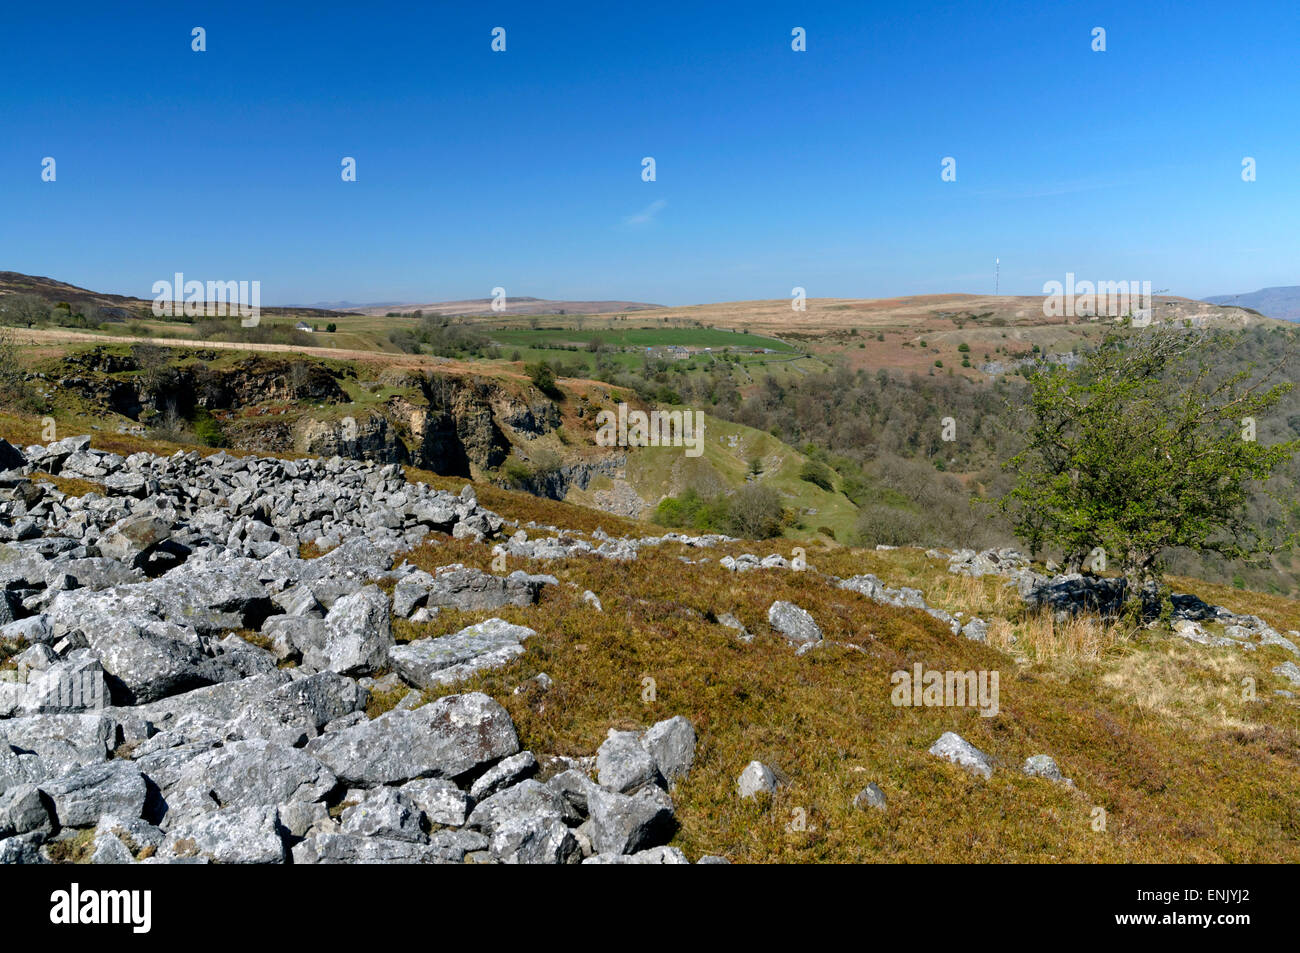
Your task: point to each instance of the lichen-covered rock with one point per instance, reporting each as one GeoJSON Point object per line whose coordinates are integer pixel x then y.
{"type": "Point", "coordinates": [433, 662]}
{"type": "Point", "coordinates": [240, 835]}
{"type": "Point", "coordinates": [756, 779]}
{"type": "Point", "coordinates": [794, 623]}
{"type": "Point", "coordinates": [953, 747]}
{"type": "Point", "coordinates": [444, 739]}
{"type": "Point", "coordinates": [358, 635]}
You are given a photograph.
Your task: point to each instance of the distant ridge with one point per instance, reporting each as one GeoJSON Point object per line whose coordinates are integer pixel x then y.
{"type": "Point", "coordinates": [1281, 302]}
{"type": "Point", "coordinates": [520, 304]}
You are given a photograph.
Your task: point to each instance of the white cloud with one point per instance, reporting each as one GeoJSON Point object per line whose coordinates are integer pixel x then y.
{"type": "Point", "coordinates": [647, 214]}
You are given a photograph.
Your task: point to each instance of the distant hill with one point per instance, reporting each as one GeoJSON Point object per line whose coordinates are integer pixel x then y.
{"type": "Point", "coordinates": [1282, 302]}
{"type": "Point", "coordinates": [120, 306]}
{"type": "Point", "coordinates": [514, 305]}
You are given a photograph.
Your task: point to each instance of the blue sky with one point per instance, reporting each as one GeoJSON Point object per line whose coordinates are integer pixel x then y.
{"type": "Point", "coordinates": [774, 168]}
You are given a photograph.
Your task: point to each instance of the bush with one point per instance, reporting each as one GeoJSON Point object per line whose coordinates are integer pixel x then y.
{"type": "Point", "coordinates": [889, 526]}
{"type": "Point", "coordinates": [208, 429]}
{"type": "Point", "coordinates": [543, 377]}
{"type": "Point", "coordinates": [819, 474]}
{"type": "Point", "coordinates": [755, 512]}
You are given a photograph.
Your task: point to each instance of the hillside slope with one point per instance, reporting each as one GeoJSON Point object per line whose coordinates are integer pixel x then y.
{"type": "Point", "coordinates": [1181, 745]}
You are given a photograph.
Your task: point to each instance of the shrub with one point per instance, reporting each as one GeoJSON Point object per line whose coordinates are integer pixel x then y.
{"type": "Point", "coordinates": [819, 474]}
{"type": "Point", "coordinates": [543, 377]}
{"type": "Point", "coordinates": [209, 430]}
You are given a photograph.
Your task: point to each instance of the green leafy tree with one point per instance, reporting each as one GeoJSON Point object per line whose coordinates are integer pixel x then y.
{"type": "Point", "coordinates": [1145, 447]}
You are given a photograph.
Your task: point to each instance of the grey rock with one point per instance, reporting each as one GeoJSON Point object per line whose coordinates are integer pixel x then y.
{"type": "Point", "coordinates": [299, 710]}
{"type": "Point", "coordinates": [82, 797]}
{"type": "Point", "coordinates": [132, 539]}
{"type": "Point", "coordinates": [240, 774]}
{"type": "Point", "coordinates": [62, 742]}
{"type": "Point", "coordinates": [359, 634]}
{"type": "Point", "coordinates": [110, 850]}
{"type": "Point", "coordinates": [1044, 766]}
{"type": "Point", "coordinates": [953, 747]}
{"type": "Point", "coordinates": [869, 797]}
{"type": "Point", "coordinates": [504, 773]}
{"type": "Point", "coordinates": [731, 622]}
{"type": "Point", "coordinates": [456, 587]}
{"type": "Point", "coordinates": [121, 840]}
{"type": "Point", "coordinates": [440, 800]}
{"type": "Point", "coordinates": [528, 799]}
{"type": "Point", "coordinates": [241, 835]}
{"type": "Point", "coordinates": [75, 685]}
{"type": "Point", "coordinates": [672, 745]}
{"type": "Point", "coordinates": [25, 810]}
{"type": "Point", "coordinates": [385, 812]}
{"type": "Point", "coordinates": [22, 849]}
{"type": "Point", "coordinates": [756, 779]}
{"type": "Point", "coordinates": [444, 847]}
{"type": "Point", "coordinates": [534, 840]}
{"type": "Point", "coordinates": [576, 789]}
{"type": "Point", "coordinates": [33, 629]}
{"type": "Point", "coordinates": [794, 623]}
{"type": "Point", "coordinates": [1290, 671]}
{"type": "Point", "coordinates": [11, 458]}
{"type": "Point", "coordinates": [446, 738]}
{"type": "Point", "coordinates": [625, 824]}
{"type": "Point", "coordinates": [655, 855]}
{"type": "Point", "coordinates": [430, 663]}
{"type": "Point", "coordinates": [623, 765]}
{"type": "Point", "coordinates": [300, 818]}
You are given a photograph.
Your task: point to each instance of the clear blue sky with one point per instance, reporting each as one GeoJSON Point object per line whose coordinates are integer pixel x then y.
{"type": "Point", "coordinates": [775, 168]}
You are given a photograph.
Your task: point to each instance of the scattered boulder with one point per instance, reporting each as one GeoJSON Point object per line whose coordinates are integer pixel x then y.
{"type": "Point", "coordinates": [870, 797]}
{"type": "Point", "coordinates": [1044, 766]}
{"type": "Point", "coordinates": [953, 747]}
{"type": "Point", "coordinates": [623, 764]}
{"type": "Point", "coordinates": [794, 623]}
{"type": "Point", "coordinates": [756, 779]}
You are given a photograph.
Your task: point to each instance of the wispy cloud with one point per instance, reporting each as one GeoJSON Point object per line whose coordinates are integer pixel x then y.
{"type": "Point", "coordinates": [647, 214]}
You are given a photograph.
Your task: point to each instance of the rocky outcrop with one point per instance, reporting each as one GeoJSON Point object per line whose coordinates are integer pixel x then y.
{"type": "Point", "coordinates": [369, 437]}
{"type": "Point", "coordinates": [152, 711]}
